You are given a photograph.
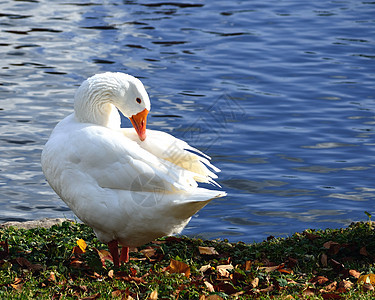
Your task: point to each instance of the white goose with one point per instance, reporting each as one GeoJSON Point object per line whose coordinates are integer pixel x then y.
{"type": "Point", "coordinates": [130, 189]}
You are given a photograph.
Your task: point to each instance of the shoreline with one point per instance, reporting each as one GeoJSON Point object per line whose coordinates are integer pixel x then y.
{"type": "Point", "coordinates": [44, 222]}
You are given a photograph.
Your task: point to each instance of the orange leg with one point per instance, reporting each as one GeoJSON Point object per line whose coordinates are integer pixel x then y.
{"type": "Point", "coordinates": [113, 248]}
{"type": "Point", "coordinates": [124, 257]}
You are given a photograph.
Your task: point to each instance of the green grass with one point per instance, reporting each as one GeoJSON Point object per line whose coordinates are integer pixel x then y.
{"type": "Point", "coordinates": [45, 264]}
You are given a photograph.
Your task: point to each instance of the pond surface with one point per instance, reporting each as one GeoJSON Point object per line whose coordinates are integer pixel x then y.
{"type": "Point", "coordinates": [281, 95]}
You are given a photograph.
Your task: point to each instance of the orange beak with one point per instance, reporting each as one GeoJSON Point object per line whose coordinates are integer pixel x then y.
{"type": "Point", "coordinates": [139, 123]}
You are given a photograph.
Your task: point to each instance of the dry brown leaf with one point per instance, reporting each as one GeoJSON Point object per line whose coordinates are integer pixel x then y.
{"type": "Point", "coordinates": [223, 270]}
{"type": "Point", "coordinates": [104, 255]}
{"type": "Point", "coordinates": [267, 289]}
{"type": "Point", "coordinates": [311, 236]}
{"type": "Point", "coordinates": [328, 244]}
{"type": "Point", "coordinates": [209, 286]}
{"type": "Point", "coordinates": [207, 250]}
{"type": "Point", "coordinates": [331, 296]}
{"type": "Point", "coordinates": [205, 268]}
{"type": "Point", "coordinates": [116, 293]}
{"type": "Point", "coordinates": [149, 252]}
{"type": "Point", "coordinates": [308, 292]}
{"type": "Point", "coordinates": [248, 264]}
{"type": "Point", "coordinates": [271, 269]}
{"type": "Point", "coordinates": [23, 262]}
{"type": "Point", "coordinates": [324, 260]}
{"type": "Point", "coordinates": [363, 251]}
{"type": "Point", "coordinates": [176, 266]}
{"type": "Point", "coordinates": [255, 282]}
{"type": "Point", "coordinates": [330, 287]}
{"type": "Point", "coordinates": [354, 273]}
{"type": "Point", "coordinates": [52, 277]}
{"type": "Point", "coordinates": [92, 297]}
{"type": "Point", "coordinates": [367, 287]}
{"type": "Point", "coordinates": [226, 288]}
{"type": "Point", "coordinates": [17, 287]}
{"type": "Point", "coordinates": [76, 263]}
{"type": "Point", "coordinates": [347, 285]}
{"type": "Point", "coordinates": [5, 252]}
{"type": "Point", "coordinates": [285, 270]}
{"type": "Point", "coordinates": [153, 295]}
{"type": "Point", "coordinates": [291, 281]}
{"type": "Point", "coordinates": [77, 250]}
{"type": "Point", "coordinates": [320, 280]}
{"type": "Point", "coordinates": [212, 297]}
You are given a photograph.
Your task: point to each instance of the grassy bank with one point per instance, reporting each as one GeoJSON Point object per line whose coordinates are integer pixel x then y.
{"type": "Point", "coordinates": [49, 264]}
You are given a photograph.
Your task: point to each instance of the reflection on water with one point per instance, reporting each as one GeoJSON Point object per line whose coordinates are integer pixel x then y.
{"type": "Point", "coordinates": [280, 94]}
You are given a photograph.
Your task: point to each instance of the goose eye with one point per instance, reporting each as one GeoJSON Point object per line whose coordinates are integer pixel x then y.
{"type": "Point", "coordinates": [138, 100]}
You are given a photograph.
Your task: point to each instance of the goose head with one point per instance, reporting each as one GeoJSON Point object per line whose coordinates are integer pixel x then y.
{"type": "Point", "coordinates": [98, 97]}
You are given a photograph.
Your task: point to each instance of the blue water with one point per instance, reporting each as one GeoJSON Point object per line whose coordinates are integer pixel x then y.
{"type": "Point", "coordinates": [281, 95]}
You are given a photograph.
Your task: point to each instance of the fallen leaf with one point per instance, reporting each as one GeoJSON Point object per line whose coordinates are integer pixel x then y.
{"type": "Point", "coordinates": [367, 278]}
{"type": "Point", "coordinates": [116, 293]}
{"type": "Point", "coordinates": [267, 289]}
{"type": "Point", "coordinates": [153, 295]}
{"type": "Point", "coordinates": [223, 270]}
{"type": "Point", "coordinates": [209, 286]}
{"type": "Point", "coordinates": [149, 252]}
{"type": "Point", "coordinates": [176, 266]}
{"type": "Point", "coordinates": [255, 282]}
{"type": "Point", "coordinates": [328, 244]}
{"type": "Point", "coordinates": [111, 274]}
{"type": "Point", "coordinates": [331, 296]}
{"type": "Point", "coordinates": [308, 292]}
{"type": "Point", "coordinates": [77, 250]}
{"type": "Point", "coordinates": [17, 280]}
{"type": "Point", "coordinates": [92, 297]}
{"type": "Point", "coordinates": [346, 284]}
{"type": "Point", "coordinates": [212, 297]}
{"type": "Point", "coordinates": [173, 239]}
{"type": "Point", "coordinates": [324, 260]}
{"type": "Point", "coordinates": [23, 262]}
{"type": "Point", "coordinates": [320, 280]}
{"type": "Point", "coordinates": [76, 263]}
{"type": "Point", "coordinates": [52, 277]}
{"type": "Point", "coordinates": [248, 265]}
{"type": "Point", "coordinates": [292, 262]}
{"type": "Point", "coordinates": [5, 252]}
{"type": "Point", "coordinates": [333, 247]}
{"type": "Point", "coordinates": [311, 236]}
{"type": "Point", "coordinates": [204, 268]}
{"type": "Point", "coordinates": [226, 288]}
{"type": "Point", "coordinates": [285, 270]}
{"type": "Point", "coordinates": [207, 250]}
{"type": "Point", "coordinates": [17, 287]}
{"type": "Point", "coordinates": [268, 269]}
{"type": "Point", "coordinates": [363, 251]}
{"type": "Point", "coordinates": [338, 267]}
{"type": "Point", "coordinates": [104, 255]}
{"type": "Point", "coordinates": [271, 269]}
{"type": "Point", "coordinates": [367, 287]}
{"type": "Point", "coordinates": [82, 245]}
{"type": "Point", "coordinates": [354, 273]}
{"type": "Point", "coordinates": [330, 287]}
